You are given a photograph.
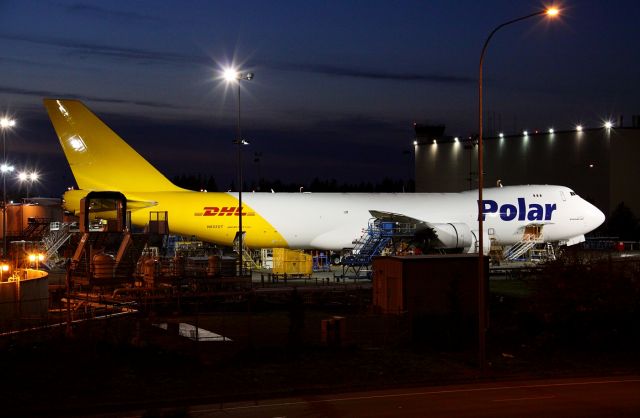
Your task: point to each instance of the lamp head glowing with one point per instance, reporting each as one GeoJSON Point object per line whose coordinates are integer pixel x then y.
{"type": "Point", "coordinates": [6, 122]}
{"type": "Point", "coordinates": [608, 124]}
{"type": "Point", "coordinates": [230, 74]}
{"type": "Point", "coordinates": [552, 11]}
{"type": "Point", "coordinates": [34, 176]}
{"type": "Point", "coordinates": [5, 168]}
{"type": "Point", "coordinates": [579, 128]}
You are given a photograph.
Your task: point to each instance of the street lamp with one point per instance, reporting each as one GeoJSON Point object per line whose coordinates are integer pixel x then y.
{"type": "Point", "coordinates": [234, 76]}
{"type": "Point", "coordinates": [37, 258]}
{"type": "Point", "coordinates": [550, 12]}
{"type": "Point", "coordinates": [6, 123]}
{"type": "Point", "coordinates": [29, 178]}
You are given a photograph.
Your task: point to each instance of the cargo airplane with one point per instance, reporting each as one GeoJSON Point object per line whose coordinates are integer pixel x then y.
{"type": "Point", "coordinates": [101, 161]}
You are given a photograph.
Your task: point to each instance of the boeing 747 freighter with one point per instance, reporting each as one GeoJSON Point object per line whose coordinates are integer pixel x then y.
{"type": "Point", "coordinates": [101, 161]}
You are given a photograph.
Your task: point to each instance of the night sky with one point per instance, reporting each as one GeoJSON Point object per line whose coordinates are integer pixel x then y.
{"type": "Point", "coordinates": [338, 84]}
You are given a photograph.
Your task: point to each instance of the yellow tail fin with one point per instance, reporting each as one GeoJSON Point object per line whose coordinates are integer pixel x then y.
{"type": "Point", "coordinates": [99, 158]}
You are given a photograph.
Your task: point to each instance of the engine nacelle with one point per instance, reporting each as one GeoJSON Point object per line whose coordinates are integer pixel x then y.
{"type": "Point", "coordinates": [486, 243]}
{"type": "Point", "coordinates": [459, 235]}
{"type": "Point", "coordinates": [456, 235]}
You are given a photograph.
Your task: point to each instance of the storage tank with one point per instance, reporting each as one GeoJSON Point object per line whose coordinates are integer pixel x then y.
{"type": "Point", "coordinates": [103, 266]}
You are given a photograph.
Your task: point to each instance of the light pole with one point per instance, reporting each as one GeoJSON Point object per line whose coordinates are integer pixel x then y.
{"type": "Point", "coordinates": [5, 124]}
{"type": "Point", "coordinates": [234, 76]}
{"type": "Point", "coordinates": [551, 12]}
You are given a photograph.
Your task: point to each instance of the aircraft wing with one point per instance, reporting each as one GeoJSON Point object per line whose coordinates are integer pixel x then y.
{"type": "Point", "coordinates": [399, 218]}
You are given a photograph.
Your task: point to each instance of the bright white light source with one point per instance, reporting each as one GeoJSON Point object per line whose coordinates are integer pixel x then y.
{"type": "Point", "coordinates": [579, 128]}
{"type": "Point", "coordinates": [7, 123]}
{"type": "Point", "coordinates": [435, 142]}
{"type": "Point", "coordinates": [230, 74]}
{"type": "Point", "coordinates": [501, 135]}
{"type": "Point", "coordinates": [5, 168]}
{"type": "Point", "coordinates": [525, 133]}
{"type": "Point", "coordinates": [608, 124]}
{"type": "Point", "coordinates": [77, 143]}
{"type": "Point", "coordinates": [551, 130]}
{"type": "Point", "coordinates": [456, 139]}
{"type": "Point", "coordinates": [415, 142]}
{"type": "Point", "coordinates": [62, 109]}
{"type": "Point", "coordinates": [34, 176]}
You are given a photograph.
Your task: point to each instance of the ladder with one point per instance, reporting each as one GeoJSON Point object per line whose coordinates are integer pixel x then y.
{"type": "Point", "coordinates": [374, 239]}
{"type": "Point", "coordinates": [59, 234]}
{"type": "Point", "coordinates": [520, 248]}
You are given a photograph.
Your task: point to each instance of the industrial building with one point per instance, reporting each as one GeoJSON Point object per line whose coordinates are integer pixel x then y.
{"type": "Point", "coordinates": [600, 164]}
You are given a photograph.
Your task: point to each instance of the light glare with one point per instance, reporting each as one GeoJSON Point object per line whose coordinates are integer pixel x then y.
{"type": "Point", "coordinates": [553, 11]}
{"type": "Point", "coordinates": [7, 123]}
{"type": "Point", "coordinates": [579, 128]}
{"type": "Point", "coordinates": [608, 124]}
{"type": "Point", "coordinates": [230, 74]}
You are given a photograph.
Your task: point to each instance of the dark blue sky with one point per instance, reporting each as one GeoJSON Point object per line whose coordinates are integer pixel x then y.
{"type": "Point", "coordinates": [338, 83]}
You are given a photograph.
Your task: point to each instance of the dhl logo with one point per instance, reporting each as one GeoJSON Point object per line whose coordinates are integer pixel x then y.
{"type": "Point", "coordinates": [225, 211]}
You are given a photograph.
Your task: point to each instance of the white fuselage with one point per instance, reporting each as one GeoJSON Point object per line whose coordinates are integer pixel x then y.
{"type": "Point", "coordinates": [333, 221]}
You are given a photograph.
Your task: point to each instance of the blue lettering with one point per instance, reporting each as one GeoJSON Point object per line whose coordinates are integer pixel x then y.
{"type": "Point", "coordinates": [549, 209]}
{"type": "Point", "coordinates": [488, 206]}
{"type": "Point", "coordinates": [521, 209]}
{"type": "Point", "coordinates": [508, 212]}
{"type": "Point", "coordinates": [536, 213]}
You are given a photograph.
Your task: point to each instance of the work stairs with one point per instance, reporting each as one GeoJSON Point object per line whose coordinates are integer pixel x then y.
{"type": "Point", "coordinates": [127, 248]}
{"type": "Point", "coordinates": [59, 234]}
{"type": "Point", "coordinates": [375, 238]}
{"type": "Point", "coordinates": [36, 228]}
{"type": "Point", "coordinates": [519, 249]}
{"type": "Point", "coordinates": [249, 262]}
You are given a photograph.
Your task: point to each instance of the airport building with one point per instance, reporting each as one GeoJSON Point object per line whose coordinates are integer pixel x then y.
{"type": "Point", "coordinates": [600, 164]}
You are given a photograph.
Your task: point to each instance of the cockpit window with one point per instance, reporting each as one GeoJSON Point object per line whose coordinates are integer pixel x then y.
{"type": "Point", "coordinates": [572, 193]}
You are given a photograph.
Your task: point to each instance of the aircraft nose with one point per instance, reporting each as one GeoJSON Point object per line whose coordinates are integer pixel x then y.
{"type": "Point", "coordinates": [595, 217]}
